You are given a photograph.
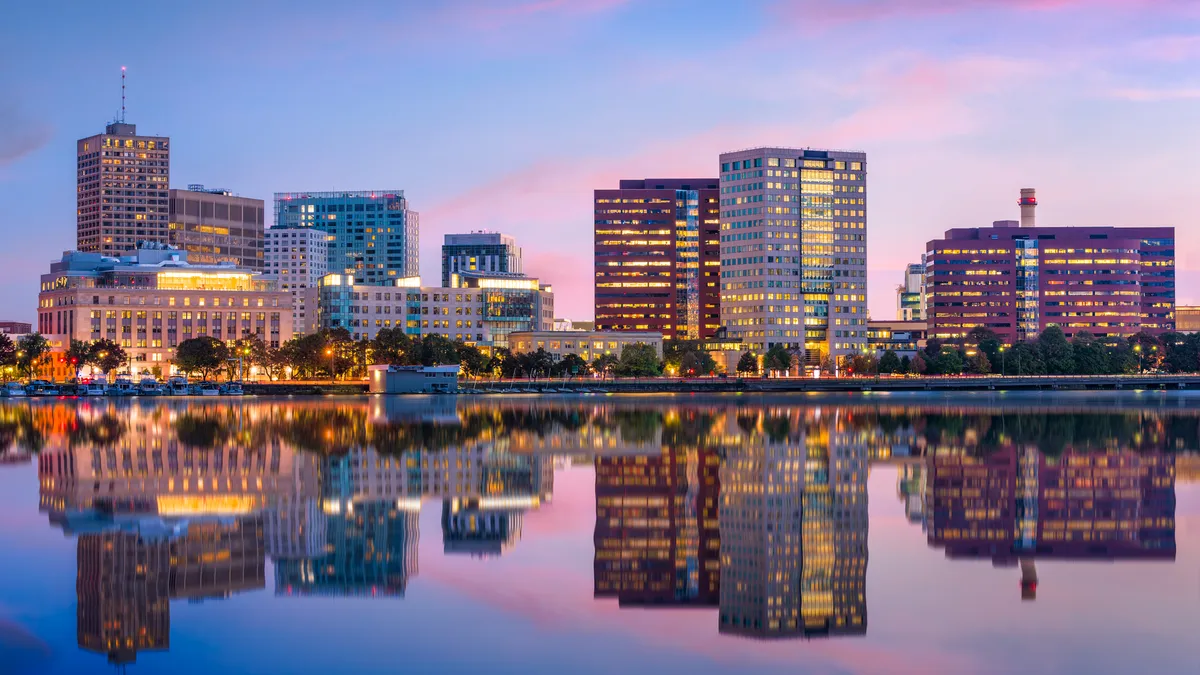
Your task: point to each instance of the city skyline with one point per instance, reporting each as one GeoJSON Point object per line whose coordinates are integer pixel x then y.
{"type": "Point", "coordinates": [952, 131]}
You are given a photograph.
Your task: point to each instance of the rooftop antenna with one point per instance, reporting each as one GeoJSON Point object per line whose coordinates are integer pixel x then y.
{"type": "Point", "coordinates": [122, 94]}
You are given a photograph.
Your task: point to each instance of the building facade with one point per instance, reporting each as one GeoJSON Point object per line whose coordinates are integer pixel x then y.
{"type": "Point", "coordinates": [1016, 281]}
{"type": "Point", "coordinates": [373, 236]}
{"type": "Point", "coordinates": [152, 299]}
{"type": "Point", "coordinates": [587, 345]}
{"type": "Point", "coordinates": [121, 191]}
{"type": "Point", "coordinates": [1187, 319]}
{"type": "Point", "coordinates": [793, 250]}
{"type": "Point", "coordinates": [657, 257]}
{"type": "Point", "coordinates": [15, 327]}
{"type": "Point", "coordinates": [215, 226]}
{"type": "Point", "coordinates": [483, 311]}
{"type": "Point", "coordinates": [296, 258]}
{"type": "Point", "coordinates": [479, 252]}
{"type": "Point", "coordinates": [910, 296]}
{"type": "Point", "coordinates": [905, 338]}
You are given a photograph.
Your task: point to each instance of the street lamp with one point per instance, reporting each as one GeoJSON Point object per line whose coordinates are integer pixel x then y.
{"type": "Point", "coordinates": [1138, 349]}
{"type": "Point", "coordinates": [329, 353]}
{"type": "Point", "coordinates": [1003, 370]}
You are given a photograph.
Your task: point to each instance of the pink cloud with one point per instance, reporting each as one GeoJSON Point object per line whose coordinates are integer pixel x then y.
{"type": "Point", "coordinates": [824, 13]}
{"type": "Point", "coordinates": [548, 205]}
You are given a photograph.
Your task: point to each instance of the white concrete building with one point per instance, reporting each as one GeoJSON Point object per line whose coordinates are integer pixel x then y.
{"type": "Point", "coordinates": [297, 258]}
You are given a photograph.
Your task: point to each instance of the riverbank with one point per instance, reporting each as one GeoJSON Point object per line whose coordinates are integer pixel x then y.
{"type": "Point", "coordinates": [717, 385]}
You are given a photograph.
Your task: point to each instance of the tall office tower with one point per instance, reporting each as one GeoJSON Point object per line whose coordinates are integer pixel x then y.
{"type": "Point", "coordinates": [214, 226]}
{"type": "Point", "coordinates": [658, 257]}
{"type": "Point", "coordinates": [910, 296]}
{"type": "Point", "coordinates": [373, 236]}
{"type": "Point", "coordinates": [482, 252]}
{"type": "Point", "coordinates": [794, 250]}
{"type": "Point", "coordinates": [122, 182]}
{"type": "Point", "coordinates": [296, 258]}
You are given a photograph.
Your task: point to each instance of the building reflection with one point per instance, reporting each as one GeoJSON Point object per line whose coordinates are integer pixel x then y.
{"type": "Point", "coordinates": [128, 575]}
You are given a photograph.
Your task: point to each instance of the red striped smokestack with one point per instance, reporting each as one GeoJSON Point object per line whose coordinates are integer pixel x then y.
{"type": "Point", "coordinates": [1028, 204]}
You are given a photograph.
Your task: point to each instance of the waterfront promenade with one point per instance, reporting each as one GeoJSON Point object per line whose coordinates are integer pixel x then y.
{"type": "Point", "coordinates": [783, 384]}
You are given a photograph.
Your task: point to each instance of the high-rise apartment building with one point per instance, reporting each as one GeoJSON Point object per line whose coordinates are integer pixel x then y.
{"type": "Point", "coordinates": [296, 258]}
{"type": "Point", "coordinates": [1017, 279]}
{"type": "Point", "coordinates": [122, 182]}
{"type": "Point", "coordinates": [657, 257]}
{"type": "Point", "coordinates": [910, 296]}
{"type": "Point", "coordinates": [480, 252]}
{"type": "Point", "coordinates": [794, 250]}
{"type": "Point", "coordinates": [215, 226]}
{"type": "Point", "coordinates": [373, 236]}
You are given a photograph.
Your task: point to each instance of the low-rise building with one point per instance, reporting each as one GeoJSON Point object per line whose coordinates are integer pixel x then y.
{"type": "Point", "coordinates": [904, 338]}
{"type": "Point", "coordinates": [477, 310]}
{"type": "Point", "coordinates": [152, 299]}
{"type": "Point", "coordinates": [15, 327]}
{"type": "Point", "coordinates": [586, 344]}
{"type": "Point", "coordinates": [216, 226]}
{"type": "Point", "coordinates": [414, 379]}
{"type": "Point", "coordinates": [1187, 318]}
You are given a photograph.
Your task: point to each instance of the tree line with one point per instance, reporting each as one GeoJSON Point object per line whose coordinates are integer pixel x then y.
{"type": "Point", "coordinates": [1050, 353]}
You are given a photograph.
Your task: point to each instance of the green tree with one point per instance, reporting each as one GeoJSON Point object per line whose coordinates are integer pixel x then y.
{"type": "Point", "coordinates": [1058, 358]}
{"type": "Point", "coordinates": [864, 364]}
{"type": "Point", "coordinates": [1179, 352]}
{"type": "Point", "coordinates": [78, 354]}
{"type": "Point", "coordinates": [933, 347]}
{"type": "Point", "coordinates": [394, 348]}
{"type": "Point", "coordinates": [747, 364]}
{"type": "Point", "coordinates": [986, 340]}
{"type": "Point", "coordinates": [1090, 356]}
{"type": "Point", "coordinates": [106, 356]}
{"type": "Point", "coordinates": [573, 365]}
{"type": "Point", "coordinates": [1147, 349]}
{"type": "Point", "coordinates": [906, 365]}
{"type": "Point", "coordinates": [889, 363]}
{"type": "Point", "coordinates": [697, 363]}
{"type": "Point", "coordinates": [778, 359]}
{"type": "Point", "coordinates": [1024, 359]}
{"type": "Point", "coordinates": [638, 360]}
{"type": "Point", "coordinates": [204, 354]}
{"type": "Point", "coordinates": [473, 361]}
{"type": "Point", "coordinates": [437, 350]}
{"type": "Point", "coordinates": [605, 364]}
{"type": "Point", "coordinates": [948, 362]}
{"type": "Point", "coordinates": [30, 350]}
{"type": "Point", "coordinates": [978, 363]}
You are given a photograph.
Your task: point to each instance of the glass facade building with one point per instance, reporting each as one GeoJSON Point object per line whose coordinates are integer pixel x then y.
{"type": "Point", "coordinates": [373, 236]}
{"type": "Point", "coordinates": [479, 252]}
{"type": "Point", "coordinates": [793, 250]}
{"type": "Point", "coordinates": [657, 257]}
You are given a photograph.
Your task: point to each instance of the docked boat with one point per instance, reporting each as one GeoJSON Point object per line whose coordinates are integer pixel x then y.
{"type": "Point", "coordinates": [41, 388]}
{"type": "Point", "coordinates": [149, 387]}
{"type": "Point", "coordinates": [232, 389]}
{"type": "Point", "coordinates": [122, 386]}
{"type": "Point", "coordinates": [209, 389]}
{"type": "Point", "coordinates": [178, 386]}
{"type": "Point", "coordinates": [14, 390]}
{"type": "Point", "coordinates": [94, 388]}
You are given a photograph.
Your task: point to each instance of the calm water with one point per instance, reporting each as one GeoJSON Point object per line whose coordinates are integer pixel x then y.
{"type": "Point", "coordinates": [877, 534]}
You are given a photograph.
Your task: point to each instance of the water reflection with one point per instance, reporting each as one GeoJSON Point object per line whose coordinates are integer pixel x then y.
{"type": "Point", "coordinates": [754, 512]}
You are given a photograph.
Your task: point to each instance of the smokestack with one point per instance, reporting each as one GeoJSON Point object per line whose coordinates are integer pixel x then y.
{"type": "Point", "coordinates": [1028, 204]}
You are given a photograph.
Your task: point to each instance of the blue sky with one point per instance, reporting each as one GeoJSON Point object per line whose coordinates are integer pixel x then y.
{"type": "Point", "coordinates": [505, 114]}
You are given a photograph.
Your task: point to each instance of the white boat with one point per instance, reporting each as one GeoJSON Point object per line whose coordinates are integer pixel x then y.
{"type": "Point", "coordinates": [209, 389]}
{"type": "Point", "coordinates": [41, 388]}
{"type": "Point", "coordinates": [122, 386]}
{"type": "Point", "coordinates": [149, 387]}
{"type": "Point", "coordinates": [178, 386]}
{"type": "Point", "coordinates": [94, 388]}
{"type": "Point", "coordinates": [232, 389]}
{"type": "Point", "coordinates": [14, 389]}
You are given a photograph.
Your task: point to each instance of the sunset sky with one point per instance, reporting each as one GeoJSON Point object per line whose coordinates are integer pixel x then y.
{"type": "Point", "coordinates": [506, 114]}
